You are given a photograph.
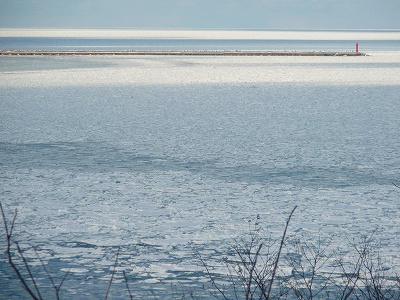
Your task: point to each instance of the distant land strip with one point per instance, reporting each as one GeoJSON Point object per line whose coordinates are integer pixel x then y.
{"type": "Point", "coordinates": [183, 52]}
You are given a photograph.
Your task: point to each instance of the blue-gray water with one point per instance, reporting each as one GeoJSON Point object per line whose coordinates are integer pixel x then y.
{"type": "Point", "coordinates": [317, 40]}
{"type": "Point", "coordinates": [32, 43]}
{"type": "Point", "coordinates": [94, 156]}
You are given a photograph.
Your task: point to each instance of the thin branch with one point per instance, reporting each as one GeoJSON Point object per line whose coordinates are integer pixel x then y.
{"type": "Point", "coordinates": [112, 275]}
{"type": "Point", "coordinates": [62, 281]}
{"type": "Point", "coordinates": [13, 222]}
{"type": "Point", "coordinates": [127, 285]}
{"type": "Point", "coordinates": [254, 263]}
{"type": "Point", "coordinates": [9, 256]}
{"type": "Point", "coordinates": [4, 219]}
{"type": "Point", "coordinates": [279, 254]}
{"type": "Point", "coordinates": [48, 274]}
{"type": "Point", "coordinates": [28, 269]}
{"type": "Point", "coordinates": [55, 287]}
{"type": "Point", "coordinates": [213, 283]}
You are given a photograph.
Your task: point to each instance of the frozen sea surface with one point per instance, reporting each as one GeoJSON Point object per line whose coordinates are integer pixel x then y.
{"type": "Point", "coordinates": [151, 153]}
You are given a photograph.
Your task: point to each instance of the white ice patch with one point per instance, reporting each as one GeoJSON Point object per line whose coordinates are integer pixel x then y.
{"type": "Point", "coordinates": [218, 70]}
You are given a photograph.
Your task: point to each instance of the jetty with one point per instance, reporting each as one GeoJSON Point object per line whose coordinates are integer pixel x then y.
{"type": "Point", "coordinates": [183, 52]}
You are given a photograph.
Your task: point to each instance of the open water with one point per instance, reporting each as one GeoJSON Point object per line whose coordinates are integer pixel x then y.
{"type": "Point", "coordinates": [166, 156]}
{"type": "Point", "coordinates": [118, 40]}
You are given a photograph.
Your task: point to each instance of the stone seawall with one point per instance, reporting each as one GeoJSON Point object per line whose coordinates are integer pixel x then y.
{"type": "Point", "coordinates": [185, 52]}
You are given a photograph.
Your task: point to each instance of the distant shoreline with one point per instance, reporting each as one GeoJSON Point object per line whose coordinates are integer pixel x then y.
{"type": "Point", "coordinates": [183, 52]}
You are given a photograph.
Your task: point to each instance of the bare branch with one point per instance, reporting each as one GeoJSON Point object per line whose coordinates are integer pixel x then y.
{"type": "Point", "coordinates": [48, 274]}
{"type": "Point", "coordinates": [28, 269]}
{"type": "Point", "coordinates": [213, 283]}
{"type": "Point", "coordinates": [62, 281]}
{"type": "Point", "coordinates": [127, 285]}
{"type": "Point", "coordinates": [254, 264]}
{"type": "Point", "coordinates": [279, 254]}
{"type": "Point", "coordinates": [112, 274]}
{"type": "Point", "coordinates": [9, 255]}
{"type": "Point", "coordinates": [55, 287]}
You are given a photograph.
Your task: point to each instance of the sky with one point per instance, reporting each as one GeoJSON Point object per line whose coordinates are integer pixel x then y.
{"type": "Point", "coordinates": [201, 14]}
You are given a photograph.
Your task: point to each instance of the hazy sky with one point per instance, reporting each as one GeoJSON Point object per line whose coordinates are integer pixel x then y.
{"type": "Point", "coordinates": [263, 14]}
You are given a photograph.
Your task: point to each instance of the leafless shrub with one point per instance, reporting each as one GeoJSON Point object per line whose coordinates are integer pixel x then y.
{"type": "Point", "coordinates": [365, 274]}
{"type": "Point", "coordinates": [17, 261]}
{"type": "Point", "coordinates": [252, 269]}
{"type": "Point", "coordinates": [310, 277]}
{"type": "Point", "coordinates": [29, 284]}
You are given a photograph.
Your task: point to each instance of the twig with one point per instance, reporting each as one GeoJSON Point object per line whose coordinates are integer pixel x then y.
{"type": "Point", "coordinates": [28, 269]}
{"type": "Point", "coordinates": [55, 287]}
{"type": "Point", "coordinates": [9, 256]}
{"type": "Point", "coordinates": [279, 255]}
{"type": "Point", "coordinates": [112, 275]}
{"type": "Point", "coordinates": [127, 285]}
{"type": "Point", "coordinates": [254, 263]}
{"type": "Point", "coordinates": [48, 274]}
{"type": "Point", "coordinates": [213, 283]}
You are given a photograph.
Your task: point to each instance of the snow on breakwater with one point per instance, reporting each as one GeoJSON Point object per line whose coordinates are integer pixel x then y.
{"type": "Point", "coordinates": [183, 53]}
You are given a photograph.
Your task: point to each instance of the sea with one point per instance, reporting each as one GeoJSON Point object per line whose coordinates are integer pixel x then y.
{"type": "Point", "coordinates": [145, 168]}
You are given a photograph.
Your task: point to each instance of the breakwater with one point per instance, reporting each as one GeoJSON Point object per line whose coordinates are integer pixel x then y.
{"type": "Point", "coordinates": [184, 52]}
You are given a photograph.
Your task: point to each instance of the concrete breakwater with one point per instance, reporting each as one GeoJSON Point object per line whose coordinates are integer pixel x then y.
{"type": "Point", "coordinates": [183, 52]}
